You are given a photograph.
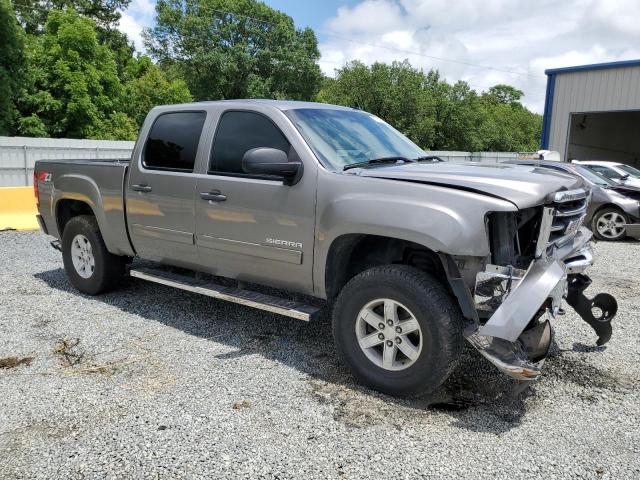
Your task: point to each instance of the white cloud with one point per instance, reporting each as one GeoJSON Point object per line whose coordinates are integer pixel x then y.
{"type": "Point", "coordinates": [138, 16]}
{"type": "Point", "coordinates": [372, 16]}
{"type": "Point", "coordinates": [515, 39]}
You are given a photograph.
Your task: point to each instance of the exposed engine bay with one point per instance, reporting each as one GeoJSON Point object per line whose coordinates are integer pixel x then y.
{"type": "Point", "coordinates": [538, 258]}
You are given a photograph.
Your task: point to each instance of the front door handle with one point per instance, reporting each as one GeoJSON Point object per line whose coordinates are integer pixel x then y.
{"type": "Point", "coordinates": [141, 188]}
{"type": "Point", "coordinates": [213, 196]}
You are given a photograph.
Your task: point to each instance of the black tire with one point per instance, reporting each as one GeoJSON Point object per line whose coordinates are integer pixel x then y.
{"type": "Point", "coordinates": [440, 323]}
{"type": "Point", "coordinates": [601, 213]}
{"type": "Point", "coordinates": [108, 269]}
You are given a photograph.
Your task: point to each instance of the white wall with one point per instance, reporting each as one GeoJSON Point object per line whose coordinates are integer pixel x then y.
{"type": "Point", "coordinates": [19, 154]}
{"type": "Point", "coordinates": [482, 157]}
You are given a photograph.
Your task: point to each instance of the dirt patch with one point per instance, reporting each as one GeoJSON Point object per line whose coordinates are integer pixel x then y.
{"type": "Point", "coordinates": [242, 404]}
{"type": "Point", "coordinates": [71, 356]}
{"type": "Point", "coordinates": [68, 352]}
{"type": "Point", "coordinates": [580, 372]}
{"type": "Point", "coordinates": [13, 362]}
{"type": "Point", "coordinates": [353, 407]}
{"type": "Point", "coordinates": [31, 291]}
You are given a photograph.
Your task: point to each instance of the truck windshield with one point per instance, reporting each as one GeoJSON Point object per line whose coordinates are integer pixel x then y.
{"type": "Point", "coordinates": [344, 137]}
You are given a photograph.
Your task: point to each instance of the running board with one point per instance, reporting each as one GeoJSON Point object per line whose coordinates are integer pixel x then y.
{"type": "Point", "coordinates": [248, 298]}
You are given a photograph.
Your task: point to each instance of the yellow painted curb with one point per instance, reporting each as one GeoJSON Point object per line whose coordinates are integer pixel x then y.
{"type": "Point", "coordinates": [18, 208]}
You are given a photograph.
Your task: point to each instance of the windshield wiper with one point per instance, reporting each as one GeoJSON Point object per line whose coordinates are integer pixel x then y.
{"type": "Point", "coordinates": [374, 161]}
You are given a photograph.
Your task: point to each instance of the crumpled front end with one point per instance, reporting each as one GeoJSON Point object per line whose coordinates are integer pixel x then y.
{"type": "Point", "coordinates": [515, 305]}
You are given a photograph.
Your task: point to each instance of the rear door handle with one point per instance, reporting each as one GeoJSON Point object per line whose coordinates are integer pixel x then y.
{"type": "Point", "coordinates": [141, 188]}
{"type": "Point", "coordinates": [213, 196]}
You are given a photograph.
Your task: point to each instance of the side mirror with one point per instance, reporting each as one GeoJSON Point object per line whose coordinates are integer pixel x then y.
{"type": "Point", "coordinates": [271, 161]}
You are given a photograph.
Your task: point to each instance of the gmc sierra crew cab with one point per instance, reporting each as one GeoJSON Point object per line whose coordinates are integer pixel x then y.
{"type": "Point", "coordinates": [414, 255]}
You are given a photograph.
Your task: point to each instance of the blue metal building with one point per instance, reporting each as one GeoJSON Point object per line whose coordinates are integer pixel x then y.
{"type": "Point", "coordinates": [592, 112]}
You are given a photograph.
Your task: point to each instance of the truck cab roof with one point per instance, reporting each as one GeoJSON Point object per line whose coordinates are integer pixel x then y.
{"type": "Point", "coordinates": [279, 104]}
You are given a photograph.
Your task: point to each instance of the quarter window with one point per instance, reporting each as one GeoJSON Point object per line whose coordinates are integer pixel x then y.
{"type": "Point", "coordinates": [239, 132]}
{"type": "Point", "coordinates": [173, 141]}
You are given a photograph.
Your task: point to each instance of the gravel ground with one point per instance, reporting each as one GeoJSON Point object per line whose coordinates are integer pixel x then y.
{"type": "Point", "coordinates": [150, 382]}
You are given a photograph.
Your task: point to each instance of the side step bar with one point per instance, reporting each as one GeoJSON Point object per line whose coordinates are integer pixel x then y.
{"type": "Point", "coordinates": [248, 298]}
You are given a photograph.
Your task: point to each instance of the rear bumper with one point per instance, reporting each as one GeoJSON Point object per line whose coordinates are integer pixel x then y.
{"type": "Point", "coordinates": [513, 339]}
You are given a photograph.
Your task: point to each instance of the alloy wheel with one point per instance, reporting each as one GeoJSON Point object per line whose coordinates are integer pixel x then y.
{"type": "Point", "coordinates": [389, 334]}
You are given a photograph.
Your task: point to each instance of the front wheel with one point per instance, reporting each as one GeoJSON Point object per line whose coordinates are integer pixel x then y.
{"type": "Point", "coordinates": [398, 330]}
{"type": "Point", "coordinates": [609, 224]}
{"type": "Point", "coordinates": [89, 265]}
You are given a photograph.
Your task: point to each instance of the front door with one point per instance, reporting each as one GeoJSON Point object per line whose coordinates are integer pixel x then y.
{"type": "Point", "coordinates": [161, 190]}
{"type": "Point", "coordinates": [250, 227]}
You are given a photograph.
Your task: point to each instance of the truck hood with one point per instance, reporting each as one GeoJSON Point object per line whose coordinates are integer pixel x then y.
{"type": "Point", "coordinates": [524, 186]}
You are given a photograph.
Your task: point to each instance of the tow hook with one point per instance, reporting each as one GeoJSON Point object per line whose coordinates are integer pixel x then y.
{"type": "Point", "coordinates": [585, 306]}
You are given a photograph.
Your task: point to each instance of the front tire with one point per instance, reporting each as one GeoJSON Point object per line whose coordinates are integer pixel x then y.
{"type": "Point", "coordinates": [608, 224]}
{"type": "Point", "coordinates": [89, 265]}
{"type": "Point", "coordinates": [398, 330]}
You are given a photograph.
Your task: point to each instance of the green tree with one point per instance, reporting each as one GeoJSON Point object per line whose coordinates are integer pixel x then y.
{"type": "Point", "coordinates": [105, 14]}
{"type": "Point", "coordinates": [74, 84]}
{"type": "Point", "coordinates": [393, 92]}
{"type": "Point", "coordinates": [504, 94]}
{"type": "Point", "coordinates": [147, 87]}
{"type": "Point", "coordinates": [33, 13]}
{"type": "Point", "coordinates": [234, 48]}
{"type": "Point", "coordinates": [74, 88]}
{"type": "Point", "coordinates": [11, 66]}
{"type": "Point", "coordinates": [119, 45]}
{"type": "Point", "coordinates": [506, 124]}
{"type": "Point", "coordinates": [433, 113]}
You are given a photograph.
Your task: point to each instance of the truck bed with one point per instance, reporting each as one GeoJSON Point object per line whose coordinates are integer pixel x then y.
{"type": "Point", "coordinates": [97, 183]}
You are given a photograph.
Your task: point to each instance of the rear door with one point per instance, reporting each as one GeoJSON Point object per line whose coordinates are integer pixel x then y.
{"type": "Point", "coordinates": [255, 228]}
{"type": "Point", "coordinates": [161, 188]}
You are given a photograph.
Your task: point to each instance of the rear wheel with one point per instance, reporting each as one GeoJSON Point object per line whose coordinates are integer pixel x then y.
{"type": "Point", "coordinates": [398, 330]}
{"type": "Point", "coordinates": [608, 224]}
{"type": "Point", "coordinates": [89, 265]}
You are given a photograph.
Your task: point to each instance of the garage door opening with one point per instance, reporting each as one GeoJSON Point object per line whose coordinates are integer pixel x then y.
{"type": "Point", "coordinates": [608, 136]}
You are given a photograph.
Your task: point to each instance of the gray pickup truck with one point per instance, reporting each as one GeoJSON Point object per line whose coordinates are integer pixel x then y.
{"type": "Point", "coordinates": [413, 254]}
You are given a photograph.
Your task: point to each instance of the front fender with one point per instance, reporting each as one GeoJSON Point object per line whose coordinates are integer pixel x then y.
{"type": "Point", "coordinates": [442, 219]}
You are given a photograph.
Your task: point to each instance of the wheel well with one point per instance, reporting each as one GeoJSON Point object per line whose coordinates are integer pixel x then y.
{"type": "Point", "coordinates": [67, 209]}
{"type": "Point", "coordinates": [608, 205]}
{"type": "Point", "coordinates": [352, 254]}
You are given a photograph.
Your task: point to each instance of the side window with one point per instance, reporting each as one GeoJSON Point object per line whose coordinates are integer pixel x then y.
{"type": "Point", "coordinates": [173, 141]}
{"type": "Point", "coordinates": [241, 131]}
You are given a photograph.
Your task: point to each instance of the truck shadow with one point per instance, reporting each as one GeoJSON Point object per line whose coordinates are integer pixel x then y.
{"type": "Point", "coordinates": [476, 396]}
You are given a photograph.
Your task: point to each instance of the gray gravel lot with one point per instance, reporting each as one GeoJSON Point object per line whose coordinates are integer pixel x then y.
{"type": "Point", "coordinates": [150, 382]}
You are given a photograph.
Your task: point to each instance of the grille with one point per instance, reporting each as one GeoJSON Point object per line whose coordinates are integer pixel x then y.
{"type": "Point", "coordinates": [569, 209]}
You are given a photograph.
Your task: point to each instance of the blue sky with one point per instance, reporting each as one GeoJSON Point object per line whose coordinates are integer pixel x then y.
{"type": "Point", "coordinates": [481, 42]}
{"type": "Point", "coordinates": [310, 13]}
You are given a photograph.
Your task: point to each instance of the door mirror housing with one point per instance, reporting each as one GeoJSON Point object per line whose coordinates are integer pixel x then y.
{"type": "Point", "coordinates": [271, 161]}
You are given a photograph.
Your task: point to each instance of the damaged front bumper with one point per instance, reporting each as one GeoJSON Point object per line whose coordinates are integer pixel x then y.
{"type": "Point", "coordinates": [515, 338]}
